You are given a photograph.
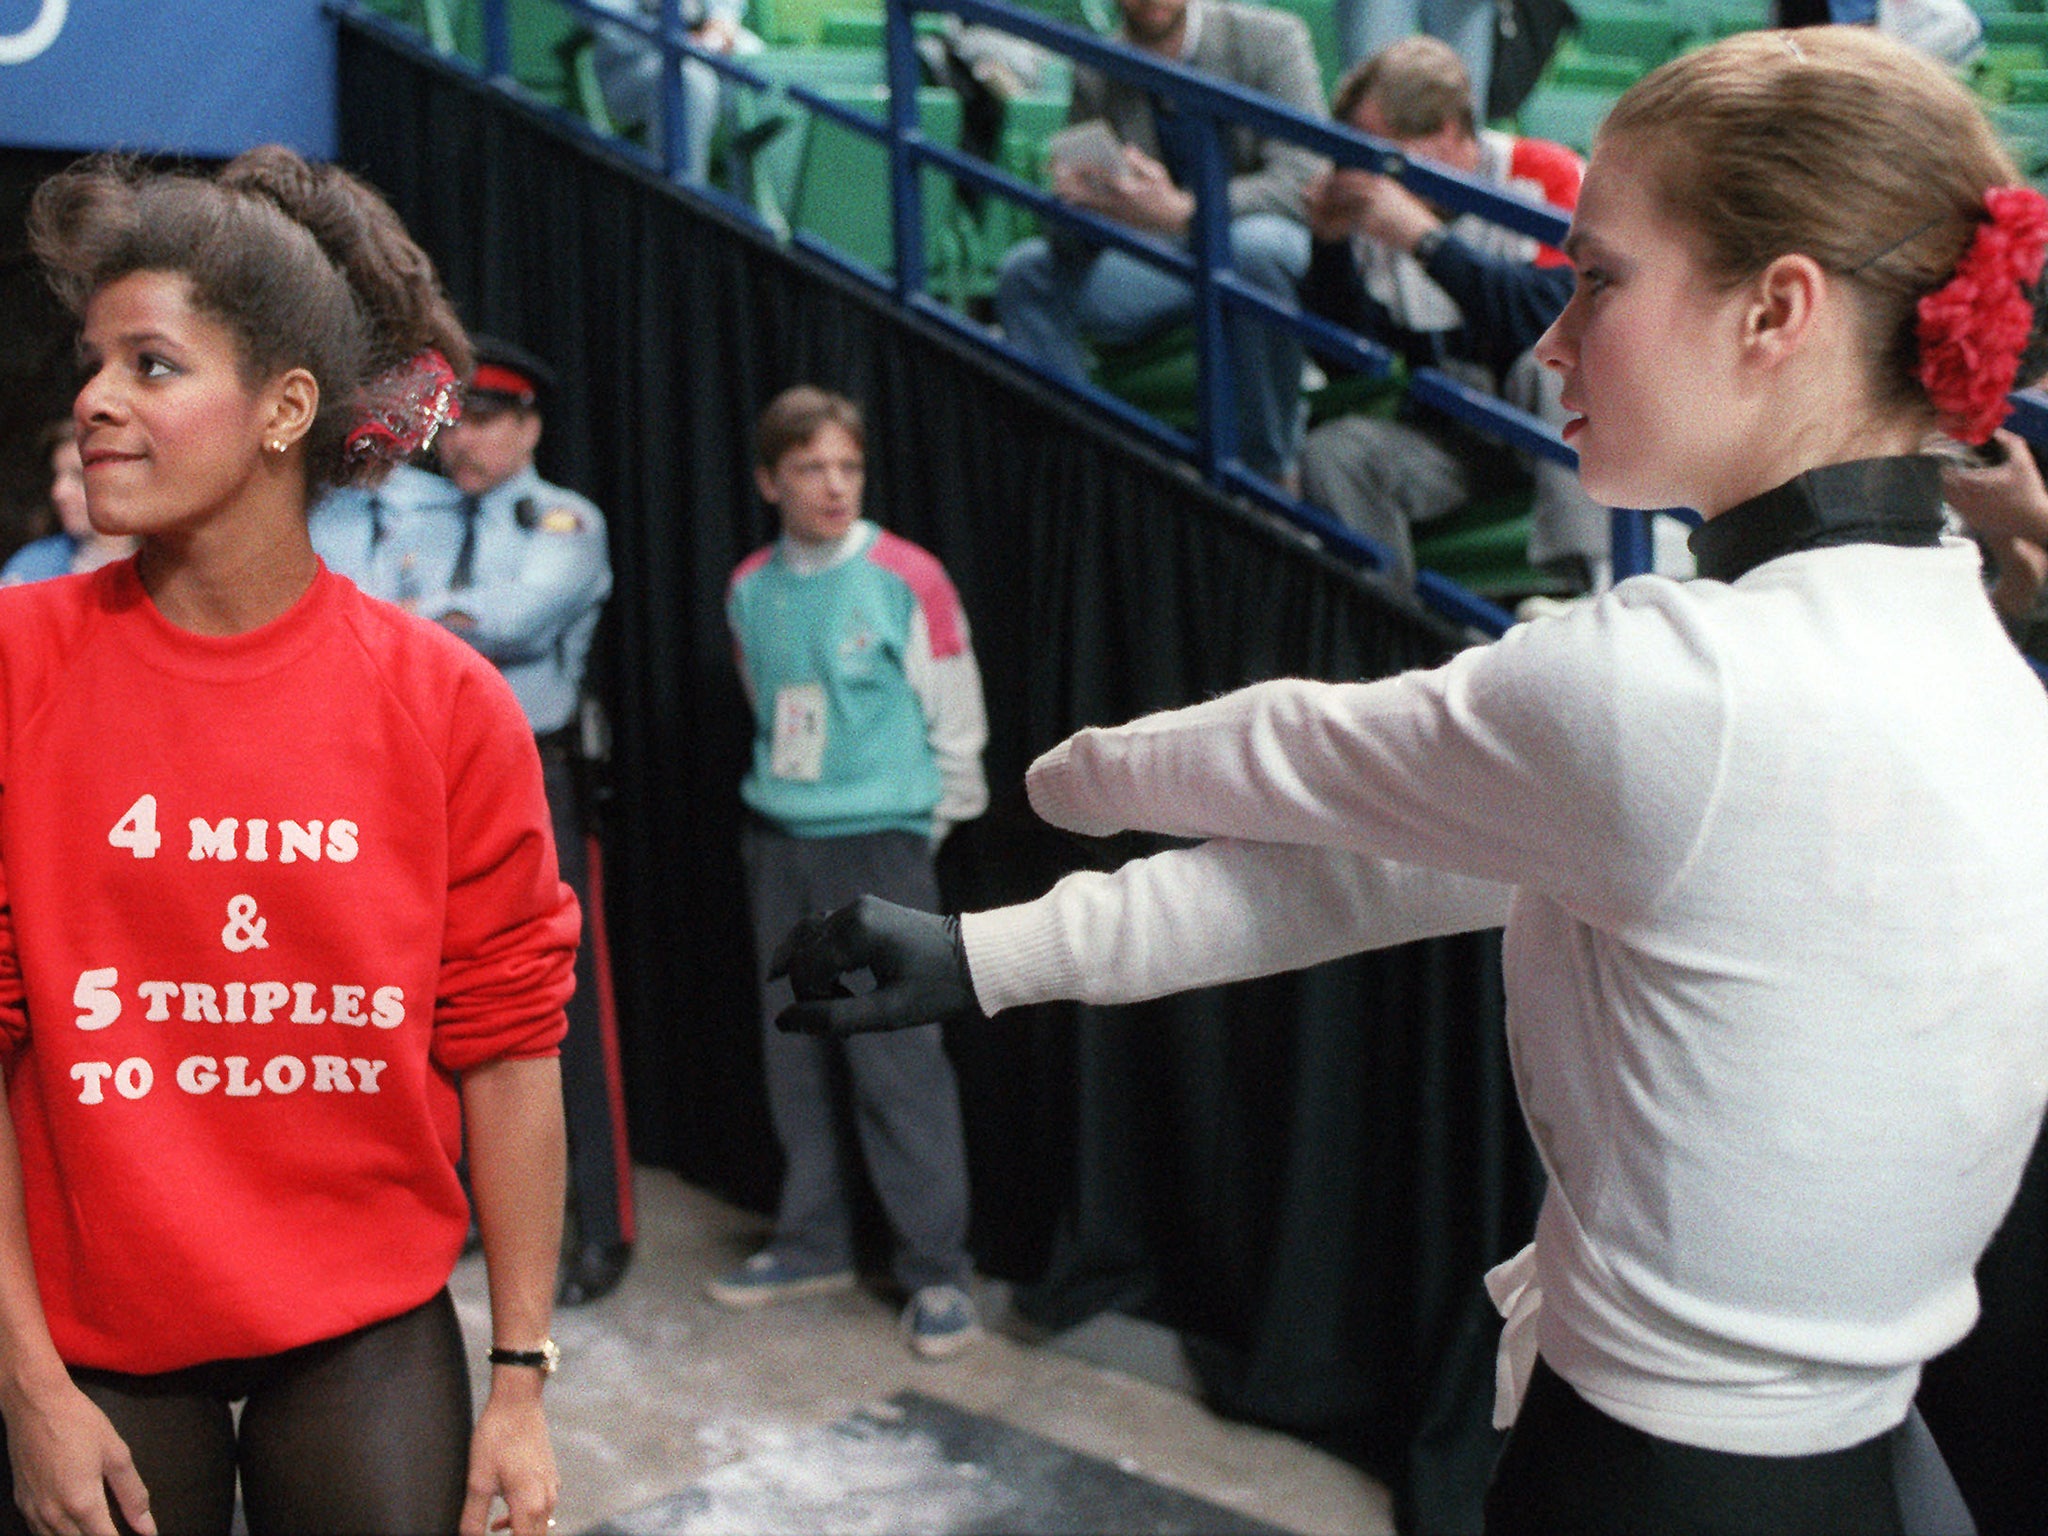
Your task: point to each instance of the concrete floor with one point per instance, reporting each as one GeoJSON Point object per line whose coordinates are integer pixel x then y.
{"type": "Point", "coordinates": [660, 1386]}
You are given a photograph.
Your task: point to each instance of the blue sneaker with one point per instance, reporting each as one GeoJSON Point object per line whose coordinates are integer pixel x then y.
{"type": "Point", "coordinates": [940, 1321]}
{"type": "Point", "coordinates": [767, 1278]}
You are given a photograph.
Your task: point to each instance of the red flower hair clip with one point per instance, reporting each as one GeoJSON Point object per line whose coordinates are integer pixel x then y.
{"type": "Point", "coordinates": [403, 407]}
{"type": "Point", "coordinates": [1975, 326]}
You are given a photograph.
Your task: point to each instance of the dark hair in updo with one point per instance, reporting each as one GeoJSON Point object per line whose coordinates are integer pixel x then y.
{"type": "Point", "coordinates": [307, 266]}
{"type": "Point", "coordinates": [1837, 143]}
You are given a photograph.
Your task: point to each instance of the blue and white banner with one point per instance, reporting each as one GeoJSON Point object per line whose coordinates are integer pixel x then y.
{"type": "Point", "coordinates": [198, 77]}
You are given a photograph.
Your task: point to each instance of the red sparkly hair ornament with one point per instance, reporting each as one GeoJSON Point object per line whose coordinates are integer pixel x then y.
{"type": "Point", "coordinates": [402, 408]}
{"type": "Point", "coordinates": [1975, 327]}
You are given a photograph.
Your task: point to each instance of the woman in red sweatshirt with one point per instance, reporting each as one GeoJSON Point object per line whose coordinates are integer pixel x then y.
{"type": "Point", "coordinates": [281, 912]}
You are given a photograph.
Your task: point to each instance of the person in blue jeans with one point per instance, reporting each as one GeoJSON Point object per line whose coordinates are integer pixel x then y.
{"type": "Point", "coordinates": [1054, 296]}
{"type": "Point", "coordinates": [629, 73]}
{"type": "Point", "coordinates": [1367, 27]}
{"type": "Point", "coordinates": [869, 728]}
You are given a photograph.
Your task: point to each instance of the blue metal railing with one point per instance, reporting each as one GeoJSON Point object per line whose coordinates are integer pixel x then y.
{"type": "Point", "coordinates": [1208, 105]}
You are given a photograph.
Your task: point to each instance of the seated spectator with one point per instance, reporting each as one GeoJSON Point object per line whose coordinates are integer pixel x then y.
{"type": "Point", "coordinates": [629, 72]}
{"type": "Point", "coordinates": [1052, 296]}
{"type": "Point", "coordinates": [1463, 296]}
{"type": "Point", "coordinates": [75, 546]}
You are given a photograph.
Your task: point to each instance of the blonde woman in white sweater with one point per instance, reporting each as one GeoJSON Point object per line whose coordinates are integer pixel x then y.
{"type": "Point", "coordinates": [1767, 845]}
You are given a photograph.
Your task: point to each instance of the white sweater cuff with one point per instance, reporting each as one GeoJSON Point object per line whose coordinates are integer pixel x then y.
{"type": "Point", "coordinates": [1017, 955]}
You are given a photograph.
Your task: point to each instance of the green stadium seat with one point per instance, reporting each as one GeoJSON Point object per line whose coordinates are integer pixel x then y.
{"type": "Point", "coordinates": [1055, 77]}
{"type": "Point", "coordinates": [1098, 16]}
{"type": "Point", "coordinates": [797, 22]}
{"type": "Point", "coordinates": [1569, 115]}
{"type": "Point", "coordinates": [860, 29]}
{"type": "Point", "coordinates": [852, 29]}
{"type": "Point", "coordinates": [2017, 27]}
{"type": "Point", "coordinates": [1356, 394]}
{"type": "Point", "coordinates": [1029, 122]}
{"type": "Point", "coordinates": [1592, 71]}
{"type": "Point", "coordinates": [1731, 22]}
{"type": "Point", "coordinates": [1702, 21]}
{"type": "Point", "coordinates": [842, 197]}
{"type": "Point", "coordinates": [544, 39]}
{"type": "Point", "coordinates": [1155, 374]}
{"type": "Point", "coordinates": [771, 171]}
{"type": "Point", "coordinates": [822, 69]}
{"type": "Point", "coordinates": [1993, 73]}
{"type": "Point", "coordinates": [1158, 374]}
{"type": "Point", "coordinates": [435, 18]}
{"type": "Point", "coordinates": [1485, 548]}
{"type": "Point", "coordinates": [1647, 33]}
{"type": "Point", "coordinates": [1710, 19]}
{"type": "Point", "coordinates": [584, 86]}
{"type": "Point", "coordinates": [2023, 127]}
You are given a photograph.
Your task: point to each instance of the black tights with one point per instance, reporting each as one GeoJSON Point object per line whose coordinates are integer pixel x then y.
{"type": "Point", "coordinates": [365, 1433]}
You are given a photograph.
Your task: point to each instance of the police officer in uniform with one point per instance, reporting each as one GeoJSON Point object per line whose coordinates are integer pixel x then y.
{"type": "Point", "coordinates": [380, 538]}
{"type": "Point", "coordinates": [521, 571]}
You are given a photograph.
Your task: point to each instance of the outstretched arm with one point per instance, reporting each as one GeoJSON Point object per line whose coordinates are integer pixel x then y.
{"type": "Point", "coordinates": [1191, 917]}
{"type": "Point", "coordinates": [1548, 759]}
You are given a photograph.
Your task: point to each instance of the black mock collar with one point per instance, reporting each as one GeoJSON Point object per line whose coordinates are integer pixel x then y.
{"type": "Point", "coordinates": [1868, 501]}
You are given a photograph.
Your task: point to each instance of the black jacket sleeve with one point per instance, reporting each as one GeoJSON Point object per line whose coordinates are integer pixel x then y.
{"type": "Point", "coordinates": [1333, 289]}
{"type": "Point", "coordinates": [1507, 304]}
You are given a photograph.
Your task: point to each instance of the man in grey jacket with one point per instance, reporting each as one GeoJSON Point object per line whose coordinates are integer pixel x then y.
{"type": "Point", "coordinates": [1055, 295]}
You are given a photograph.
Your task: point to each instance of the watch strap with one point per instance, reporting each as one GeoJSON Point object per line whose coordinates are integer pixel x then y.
{"type": "Point", "coordinates": [545, 1359]}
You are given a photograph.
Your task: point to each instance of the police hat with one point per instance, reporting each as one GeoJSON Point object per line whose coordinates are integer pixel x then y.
{"type": "Point", "coordinates": [507, 375]}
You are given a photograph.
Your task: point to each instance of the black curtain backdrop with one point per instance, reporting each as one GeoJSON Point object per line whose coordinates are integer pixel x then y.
{"type": "Point", "coordinates": [1307, 1176]}
{"type": "Point", "coordinates": [36, 369]}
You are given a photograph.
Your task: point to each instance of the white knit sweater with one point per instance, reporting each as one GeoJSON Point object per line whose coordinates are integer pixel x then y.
{"type": "Point", "coordinates": [1772, 858]}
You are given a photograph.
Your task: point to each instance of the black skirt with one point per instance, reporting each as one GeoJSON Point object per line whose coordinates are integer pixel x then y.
{"type": "Point", "coordinates": [1569, 1470]}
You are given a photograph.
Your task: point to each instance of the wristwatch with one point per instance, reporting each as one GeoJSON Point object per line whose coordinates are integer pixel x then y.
{"type": "Point", "coordinates": [1428, 243]}
{"type": "Point", "coordinates": [546, 1359]}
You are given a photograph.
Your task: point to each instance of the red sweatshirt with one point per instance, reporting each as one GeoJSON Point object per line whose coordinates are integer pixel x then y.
{"type": "Point", "coordinates": [264, 897]}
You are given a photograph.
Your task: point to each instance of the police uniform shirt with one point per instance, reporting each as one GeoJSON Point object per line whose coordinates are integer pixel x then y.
{"type": "Point", "coordinates": [539, 572]}
{"type": "Point", "coordinates": [374, 536]}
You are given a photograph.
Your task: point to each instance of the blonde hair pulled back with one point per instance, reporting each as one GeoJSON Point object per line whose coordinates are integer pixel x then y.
{"type": "Point", "coordinates": [1835, 143]}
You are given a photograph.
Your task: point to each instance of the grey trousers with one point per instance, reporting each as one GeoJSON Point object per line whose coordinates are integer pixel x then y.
{"type": "Point", "coordinates": [1382, 477]}
{"type": "Point", "coordinates": [906, 1105]}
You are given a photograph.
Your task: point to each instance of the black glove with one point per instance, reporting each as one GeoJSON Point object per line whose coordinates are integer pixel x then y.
{"type": "Point", "coordinates": [919, 966]}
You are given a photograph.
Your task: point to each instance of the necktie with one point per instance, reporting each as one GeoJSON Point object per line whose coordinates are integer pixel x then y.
{"type": "Point", "coordinates": [465, 555]}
